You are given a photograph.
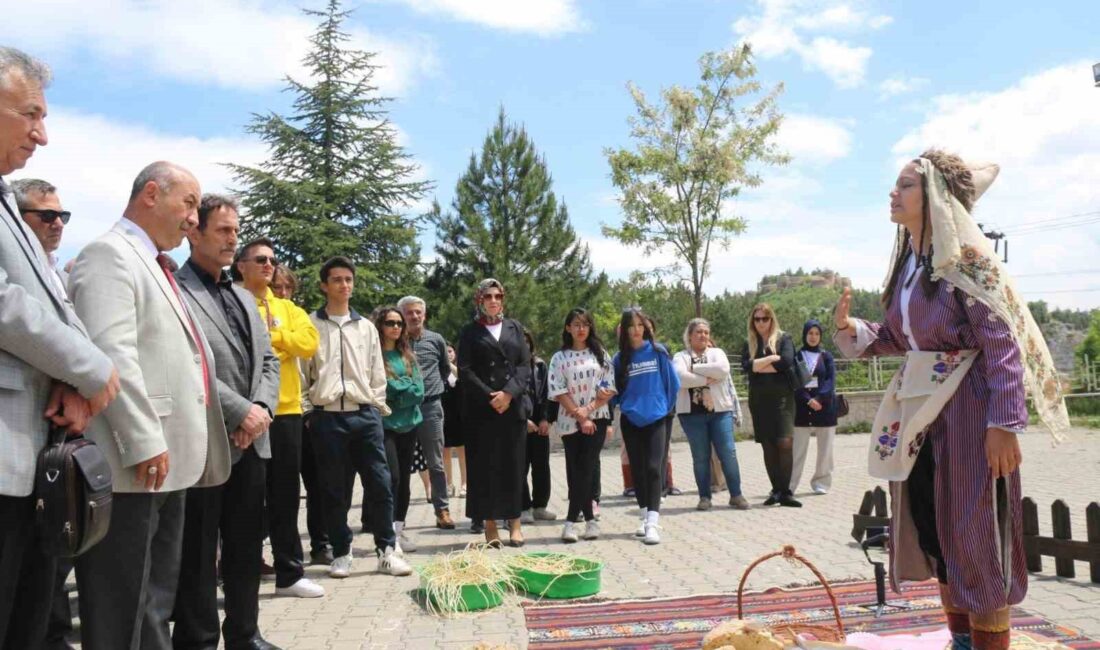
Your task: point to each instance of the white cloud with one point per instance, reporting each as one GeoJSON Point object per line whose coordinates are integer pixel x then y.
{"type": "Point", "coordinates": [1044, 131]}
{"type": "Point", "coordinates": [542, 17]}
{"type": "Point", "coordinates": [797, 26]}
{"type": "Point", "coordinates": [895, 86]}
{"type": "Point", "coordinates": [809, 138]}
{"type": "Point", "coordinates": [93, 161]}
{"type": "Point", "coordinates": [250, 44]}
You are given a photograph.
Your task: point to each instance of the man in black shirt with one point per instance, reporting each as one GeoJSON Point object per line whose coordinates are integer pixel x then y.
{"type": "Point", "coordinates": [248, 389]}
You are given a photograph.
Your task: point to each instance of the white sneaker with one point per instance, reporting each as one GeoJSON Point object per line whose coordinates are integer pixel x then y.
{"type": "Point", "coordinates": [527, 517]}
{"type": "Point", "coordinates": [304, 588]}
{"type": "Point", "coordinates": [821, 490]}
{"type": "Point", "coordinates": [542, 514]}
{"type": "Point", "coordinates": [640, 531]}
{"type": "Point", "coordinates": [651, 535]}
{"type": "Point", "coordinates": [591, 530]}
{"type": "Point", "coordinates": [340, 567]}
{"type": "Point", "coordinates": [392, 563]}
{"type": "Point", "coordinates": [569, 533]}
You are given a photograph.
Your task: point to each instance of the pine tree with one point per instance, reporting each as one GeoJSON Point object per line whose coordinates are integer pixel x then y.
{"type": "Point", "coordinates": [506, 223]}
{"type": "Point", "coordinates": [335, 181]}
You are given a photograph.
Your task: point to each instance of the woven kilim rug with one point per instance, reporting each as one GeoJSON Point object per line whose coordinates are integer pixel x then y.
{"type": "Point", "coordinates": [673, 623]}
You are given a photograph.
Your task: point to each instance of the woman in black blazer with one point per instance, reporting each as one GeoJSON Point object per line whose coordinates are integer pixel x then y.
{"type": "Point", "coordinates": [766, 360]}
{"type": "Point", "coordinates": [494, 367]}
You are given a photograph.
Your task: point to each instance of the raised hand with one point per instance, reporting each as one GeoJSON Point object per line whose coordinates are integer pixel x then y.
{"type": "Point", "coordinates": [842, 314]}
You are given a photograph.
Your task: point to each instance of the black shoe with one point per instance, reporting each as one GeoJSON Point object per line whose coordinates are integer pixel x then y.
{"type": "Point", "coordinates": [772, 499]}
{"type": "Point", "coordinates": [322, 556]}
{"type": "Point", "coordinates": [786, 499]}
{"type": "Point", "coordinates": [256, 643]}
{"type": "Point", "coordinates": [477, 527]}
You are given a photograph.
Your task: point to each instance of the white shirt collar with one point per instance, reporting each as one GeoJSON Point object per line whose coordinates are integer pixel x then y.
{"type": "Point", "coordinates": [139, 232]}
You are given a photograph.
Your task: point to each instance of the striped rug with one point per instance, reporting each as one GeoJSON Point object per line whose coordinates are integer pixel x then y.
{"type": "Point", "coordinates": [673, 623]}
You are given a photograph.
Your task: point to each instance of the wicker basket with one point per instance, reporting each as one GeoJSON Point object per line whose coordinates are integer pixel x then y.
{"type": "Point", "coordinates": [787, 632]}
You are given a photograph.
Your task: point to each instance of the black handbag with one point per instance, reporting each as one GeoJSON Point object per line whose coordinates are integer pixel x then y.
{"type": "Point", "coordinates": [799, 372]}
{"type": "Point", "coordinates": [841, 405]}
{"type": "Point", "coordinates": [72, 494]}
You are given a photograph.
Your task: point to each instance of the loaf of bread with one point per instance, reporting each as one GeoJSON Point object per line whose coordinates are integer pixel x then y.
{"type": "Point", "coordinates": [739, 634]}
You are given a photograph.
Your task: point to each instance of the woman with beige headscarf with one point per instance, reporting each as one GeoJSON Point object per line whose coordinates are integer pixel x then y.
{"type": "Point", "coordinates": [946, 432]}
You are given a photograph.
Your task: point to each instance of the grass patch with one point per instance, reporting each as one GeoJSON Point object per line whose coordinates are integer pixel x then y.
{"type": "Point", "coordinates": [862, 426]}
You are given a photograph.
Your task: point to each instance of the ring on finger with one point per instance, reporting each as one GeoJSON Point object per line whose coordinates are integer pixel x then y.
{"type": "Point", "coordinates": [152, 470]}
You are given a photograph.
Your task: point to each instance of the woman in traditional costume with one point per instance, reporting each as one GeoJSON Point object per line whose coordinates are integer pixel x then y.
{"type": "Point", "coordinates": [946, 431]}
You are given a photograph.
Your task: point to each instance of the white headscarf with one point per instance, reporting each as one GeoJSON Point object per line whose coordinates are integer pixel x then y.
{"type": "Point", "coordinates": [963, 257]}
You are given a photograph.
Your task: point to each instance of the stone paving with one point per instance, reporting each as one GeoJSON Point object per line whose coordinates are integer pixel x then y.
{"type": "Point", "coordinates": [700, 552]}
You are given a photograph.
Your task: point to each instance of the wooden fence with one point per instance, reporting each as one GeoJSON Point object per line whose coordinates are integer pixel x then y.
{"type": "Point", "coordinates": [1061, 546]}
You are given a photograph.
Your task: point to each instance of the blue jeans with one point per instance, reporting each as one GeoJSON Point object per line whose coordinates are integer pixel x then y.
{"type": "Point", "coordinates": [705, 430]}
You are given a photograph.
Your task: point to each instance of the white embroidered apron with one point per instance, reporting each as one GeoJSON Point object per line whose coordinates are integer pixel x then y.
{"type": "Point", "coordinates": [914, 398]}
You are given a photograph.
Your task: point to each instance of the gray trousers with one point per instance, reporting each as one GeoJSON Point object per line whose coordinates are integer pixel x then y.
{"type": "Point", "coordinates": [430, 435]}
{"type": "Point", "coordinates": [127, 582]}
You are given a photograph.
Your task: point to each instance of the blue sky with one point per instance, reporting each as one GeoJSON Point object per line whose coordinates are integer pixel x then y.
{"type": "Point", "coordinates": [868, 84]}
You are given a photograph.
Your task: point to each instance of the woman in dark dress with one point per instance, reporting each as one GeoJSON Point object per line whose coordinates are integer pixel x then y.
{"type": "Point", "coordinates": [766, 360]}
{"type": "Point", "coordinates": [494, 368]}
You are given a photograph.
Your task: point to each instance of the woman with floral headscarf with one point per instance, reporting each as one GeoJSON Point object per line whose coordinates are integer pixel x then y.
{"type": "Point", "coordinates": [946, 431]}
{"type": "Point", "coordinates": [494, 368]}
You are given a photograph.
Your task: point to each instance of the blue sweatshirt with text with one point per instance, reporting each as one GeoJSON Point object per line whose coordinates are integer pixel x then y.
{"type": "Point", "coordinates": [651, 386]}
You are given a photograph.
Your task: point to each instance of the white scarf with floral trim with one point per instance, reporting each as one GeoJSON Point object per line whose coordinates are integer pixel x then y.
{"type": "Point", "coordinates": [963, 256]}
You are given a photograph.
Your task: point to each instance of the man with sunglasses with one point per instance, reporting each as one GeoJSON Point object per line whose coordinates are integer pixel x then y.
{"type": "Point", "coordinates": [40, 208]}
{"type": "Point", "coordinates": [48, 365]}
{"type": "Point", "coordinates": [293, 337]}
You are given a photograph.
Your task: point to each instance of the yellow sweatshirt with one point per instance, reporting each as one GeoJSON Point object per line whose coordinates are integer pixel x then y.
{"type": "Point", "coordinates": [293, 337]}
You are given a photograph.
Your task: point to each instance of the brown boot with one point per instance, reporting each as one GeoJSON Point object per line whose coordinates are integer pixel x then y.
{"type": "Point", "coordinates": [443, 520]}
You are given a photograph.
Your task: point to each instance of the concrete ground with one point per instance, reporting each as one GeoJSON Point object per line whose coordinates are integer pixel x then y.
{"type": "Point", "coordinates": [701, 552]}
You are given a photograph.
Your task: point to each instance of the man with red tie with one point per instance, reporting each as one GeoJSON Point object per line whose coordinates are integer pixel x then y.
{"type": "Point", "coordinates": [165, 432]}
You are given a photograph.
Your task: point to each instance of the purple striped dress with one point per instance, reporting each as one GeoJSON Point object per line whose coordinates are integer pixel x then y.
{"type": "Point", "coordinates": [991, 395]}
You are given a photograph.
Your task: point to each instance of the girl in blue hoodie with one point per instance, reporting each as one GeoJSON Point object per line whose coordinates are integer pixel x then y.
{"type": "Point", "coordinates": [647, 386]}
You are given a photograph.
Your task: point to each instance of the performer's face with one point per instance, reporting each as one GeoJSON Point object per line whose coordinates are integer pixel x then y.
{"type": "Point", "coordinates": [907, 198]}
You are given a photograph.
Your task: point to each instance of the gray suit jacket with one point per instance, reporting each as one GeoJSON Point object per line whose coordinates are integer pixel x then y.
{"type": "Point", "coordinates": [133, 314]}
{"type": "Point", "coordinates": [41, 339]}
{"type": "Point", "coordinates": [235, 393]}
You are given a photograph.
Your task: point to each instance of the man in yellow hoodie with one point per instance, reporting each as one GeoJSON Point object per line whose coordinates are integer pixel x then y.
{"type": "Point", "coordinates": [293, 337]}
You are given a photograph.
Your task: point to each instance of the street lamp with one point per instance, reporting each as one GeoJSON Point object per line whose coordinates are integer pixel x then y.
{"type": "Point", "coordinates": [1096, 74]}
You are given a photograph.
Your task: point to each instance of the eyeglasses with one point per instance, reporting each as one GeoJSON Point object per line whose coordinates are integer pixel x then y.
{"type": "Point", "coordinates": [493, 296]}
{"type": "Point", "coordinates": [393, 323]}
{"type": "Point", "coordinates": [264, 259]}
{"type": "Point", "coordinates": [761, 319]}
{"type": "Point", "coordinates": [49, 216]}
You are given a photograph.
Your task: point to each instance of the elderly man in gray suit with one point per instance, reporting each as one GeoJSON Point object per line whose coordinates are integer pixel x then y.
{"type": "Point", "coordinates": [48, 366]}
{"type": "Point", "coordinates": [165, 432]}
{"type": "Point", "coordinates": [248, 389]}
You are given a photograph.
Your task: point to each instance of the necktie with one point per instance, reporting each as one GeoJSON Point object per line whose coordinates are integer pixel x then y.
{"type": "Point", "coordinates": [165, 264]}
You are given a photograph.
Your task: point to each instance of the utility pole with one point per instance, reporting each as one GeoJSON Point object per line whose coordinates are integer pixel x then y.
{"type": "Point", "coordinates": [996, 237]}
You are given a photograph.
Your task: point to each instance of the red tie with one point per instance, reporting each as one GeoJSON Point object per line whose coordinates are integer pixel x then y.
{"type": "Point", "coordinates": [165, 265]}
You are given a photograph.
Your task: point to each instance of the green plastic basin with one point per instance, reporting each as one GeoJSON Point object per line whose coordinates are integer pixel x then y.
{"type": "Point", "coordinates": [477, 597]}
{"type": "Point", "coordinates": [583, 580]}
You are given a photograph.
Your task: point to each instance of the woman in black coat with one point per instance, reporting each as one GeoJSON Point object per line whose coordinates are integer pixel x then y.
{"type": "Point", "coordinates": [494, 368]}
{"type": "Point", "coordinates": [815, 411]}
{"type": "Point", "coordinates": [766, 360]}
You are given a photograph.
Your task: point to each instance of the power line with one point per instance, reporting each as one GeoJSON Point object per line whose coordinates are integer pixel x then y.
{"type": "Point", "coordinates": [1064, 218]}
{"type": "Point", "coordinates": [1075, 221]}
{"type": "Point", "coordinates": [1035, 275]}
{"type": "Point", "coordinates": [1089, 290]}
